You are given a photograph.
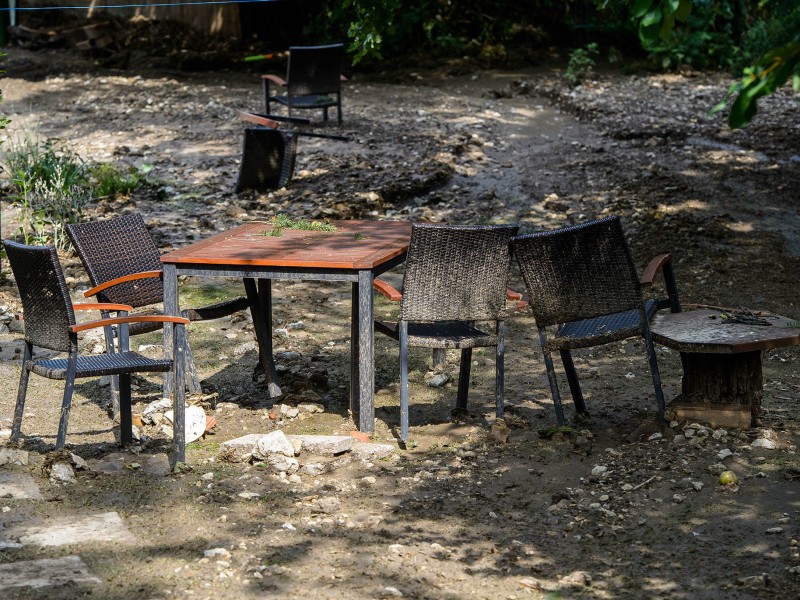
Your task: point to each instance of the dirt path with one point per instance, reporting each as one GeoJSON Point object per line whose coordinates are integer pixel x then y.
{"type": "Point", "coordinates": [462, 513]}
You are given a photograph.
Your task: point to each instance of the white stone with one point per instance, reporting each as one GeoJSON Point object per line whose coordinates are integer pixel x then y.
{"type": "Point", "coordinates": [439, 380]}
{"type": "Point", "coordinates": [599, 470]}
{"type": "Point", "coordinates": [724, 453]}
{"type": "Point", "coordinates": [19, 486]}
{"type": "Point", "coordinates": [13, 456]}
{"type": "Point", "coordinates": [275, 442]}
{"type": "Point", "coordinates": [764, 443]}
{"type": "Point", "coordinates": [283, 464]}
{"type": "Point", "coordinates": [62, 473]}
{"type": "Point", "coordinates": [222, 553]}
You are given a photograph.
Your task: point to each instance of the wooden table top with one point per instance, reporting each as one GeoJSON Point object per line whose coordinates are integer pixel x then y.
{"type": "Point", "coordinates": [704, 331]}
{"type": "Point", "coordinates": [354, 245]}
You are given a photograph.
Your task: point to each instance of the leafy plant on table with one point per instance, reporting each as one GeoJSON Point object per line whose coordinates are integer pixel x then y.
{"type": "Point", "coordinates": [281, 222]}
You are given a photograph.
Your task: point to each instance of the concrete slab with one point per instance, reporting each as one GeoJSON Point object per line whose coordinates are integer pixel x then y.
{"type": "Point", "coordinates": [12, 456]}
{"type": "Point", "coordinates": [103, 527]}
{"type": "Point", "coordinates": [324, 444]}
{"type": "Point", "coordinates": [46, 572]}
{"type": "Point", "coordinates": [19, 486]}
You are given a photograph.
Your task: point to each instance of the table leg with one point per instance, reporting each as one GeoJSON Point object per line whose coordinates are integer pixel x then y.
{"type": "Point", "coordinates": [172, 308]}
{"type": "Point", "coordinates": [260, 299]}
{"type": "Point", "coordinates": [366, 353]}
{"type": "Point", "coordinates": [355, 402]}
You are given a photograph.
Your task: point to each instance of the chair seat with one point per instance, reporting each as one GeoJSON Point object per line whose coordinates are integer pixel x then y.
{"type": "Point", "coordinates": [600, 330]}
{"type": "Point", "coordinates": [101, 364]}
{"type": "Point", "coordinates": [306, 101]}
{"type": "Point", "coordinates": [442, 334]}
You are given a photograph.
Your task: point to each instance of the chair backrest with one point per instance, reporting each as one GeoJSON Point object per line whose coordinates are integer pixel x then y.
{"type": "Point", "coordinates": [46, 305]}
{"type": "Point", "coordinates": [115, 248]}
{"type": "Point", "coordinates": [578, 272]}
{"type": "Point", "coordinates": [314, 69]}
{"type": "Point", "coordinates": [456, 273]}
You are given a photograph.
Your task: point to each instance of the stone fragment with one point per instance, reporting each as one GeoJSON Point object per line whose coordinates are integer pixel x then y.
{"type": "Point", "coordinates": [11, 456]}
{"type": "Point", "coordinates": [764, 443]}
{"type": "Point", "coordinates": [222, 553]}
{"type": "Point", "coordinates": [283, 464]}
{"type": "Point", "coordinates": [46, 572]}
{"type": "Point", "coordinates": [439, 380]}
{"type": "Point", "coordinates": [324, 444]}
{"type": "Point", "coordinates": [275, 442]}
{"type": "Point", "coordinates": [327, 505]}
{"type": "Point", "coordinates": [19, 486]}
{"type": "Point", "coordinates": [103, 527]}
{"type": "Point", "coordinates": [243, 445]}
{"type": "Point", "coordinates": [311, 407]}
{"type": "Point", "coordinates": [62, 473]}
{"type": "Point", "coordinates": [369, 451]}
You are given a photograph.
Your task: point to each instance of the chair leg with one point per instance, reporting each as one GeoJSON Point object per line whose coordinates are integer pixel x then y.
{"type": "Point", "coordinates": [22, 390]}
{"type": "Point", "coordinates": [325, 114]}
{"type": "Point", "coordinates": [500, 370]}
{"type": "Point", "coordinates": [403, 326]}
{"type": "Point", "coordinates": [125, 410]}
{"type": "Point", "coordinates": [265, 87]}
{"type": "Point", "coordinates": [66, 404]}
{"type": "Point", "coordinates": [651, 358]}
{"type": "Point", "coordinates": [339, 108]}
{"type": "Point", "coordinates": [463, 378]}
{"type": "Point", "coordinates": [108, 333]}
{"type": "Point", "coordinates": [574, 384]}
{"type": "Point", "coordinates": [551, 377]}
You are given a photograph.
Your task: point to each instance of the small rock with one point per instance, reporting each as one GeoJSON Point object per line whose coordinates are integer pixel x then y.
{"type": "Point", "coordinates": [577, 578]}
{"type": "Point", "coordinates": [275, 442]}
{"type": "Point", "coordinates": [764, 443]}
{"type": "Point", "coordinates": [283, 464]}
{"type": "Point", "coordinates": [438, 380]}
{"type": "Point", "coordinates": [724, 453]}
{"type": "Point", "coordinates": [390, 592]}
{"type": "Point", "coordinates": [13, 456]}
{"type": "Point", "coordinates": [222, 553]}
{"type": "Point", "coordinates": [599, 470]}
{"type": "Point", "coordinates": [62, 473]}
{"type": "Point", "coordinates": [326, 504]}
{"type": "Point", "coordinates": [774, 530]}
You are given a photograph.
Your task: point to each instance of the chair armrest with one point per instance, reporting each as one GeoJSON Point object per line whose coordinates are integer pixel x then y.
{"type": "Point", "coordinates": [387, 290]}
{"type": "Point", "coordinates": [112, 282]}
{"type": "Point", "coordinates": [128, 320]}
{"type": "Point", "coordinates": [257, 119]}
{"type": "Point", "coordinates": [663, 264]}
{"type": "Point", "coordinates": [275, 79]}
{"type": "Point", "coordinates": [103, 306]}
{"type": "Point", "coordinates": [654, 267]}
{"type": "Point", "coordinates": [512, 295]}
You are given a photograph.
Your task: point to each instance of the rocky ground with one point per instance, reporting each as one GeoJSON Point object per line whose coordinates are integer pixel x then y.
{"type": "Point", "coordinates": [471, 508]}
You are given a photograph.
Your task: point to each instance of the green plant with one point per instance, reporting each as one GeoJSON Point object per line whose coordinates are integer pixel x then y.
{"type": "Point", "coordinates": [112, 180]}
{"type": "Point", "coordinates": [50, 185]}
{"type": "Point", "coordinates": [281, 222]}
{"type": "Point", "coordinates": [581, 63]}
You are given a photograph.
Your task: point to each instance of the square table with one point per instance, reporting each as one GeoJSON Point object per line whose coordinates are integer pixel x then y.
{"type": "Point", "coordinates": [356, 252]}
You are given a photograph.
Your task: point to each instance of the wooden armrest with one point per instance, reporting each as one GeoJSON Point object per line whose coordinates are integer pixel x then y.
{"type": "Point", "coordinates": [128, 320]}
{"type": "Point", "coordinates": [112, 282]}
{"type": "Point", "coordinates": [654, 268]}
{"type": "Point", "coordinates": [512, 295]}
{"type": "Point", "coordinates": [275, 79]}
{"type": "Point", "coordinates": [103, 306]}
{"type": "Point", "coordinates": [257, 119]}
{"type": "Point", "coordinates": [387, 290]}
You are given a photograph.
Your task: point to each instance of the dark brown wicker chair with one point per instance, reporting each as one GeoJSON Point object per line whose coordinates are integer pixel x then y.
{"type": "Point", "coordinates": [124, 267]}
{"type": "Point", "coordinates": [581, 282]}
{"type": "Point", "coordinates": [454, 277]}
{"type": "Point", "coordinates": [313, 80]}
{"type": "Point", "coordinates": [49, 317]}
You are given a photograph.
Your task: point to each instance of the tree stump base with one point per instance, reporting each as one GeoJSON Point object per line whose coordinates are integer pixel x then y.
{"type": "Point", "coordinates": [724, 390]}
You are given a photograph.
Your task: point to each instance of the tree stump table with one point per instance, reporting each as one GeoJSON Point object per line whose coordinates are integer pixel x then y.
{"type": "Point", "coordinates": [722, 378]}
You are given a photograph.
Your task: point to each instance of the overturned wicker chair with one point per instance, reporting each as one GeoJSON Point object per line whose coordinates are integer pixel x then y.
{"type": "Point", "coordinates": [49, 317]}
{"type": "Point", "coordinates": [455, 278]}
{"type": "Point", "coordinates": [584, 291]}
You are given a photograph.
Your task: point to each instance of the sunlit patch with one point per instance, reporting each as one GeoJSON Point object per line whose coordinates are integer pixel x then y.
{"type": "Point", "coordinates": [741, 227]}
{"type": "Point", "coordinates": [685, 206]}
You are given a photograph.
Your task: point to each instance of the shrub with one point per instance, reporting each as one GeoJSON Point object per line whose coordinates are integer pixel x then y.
{"type": "Point", "coordinates": [581, 63]}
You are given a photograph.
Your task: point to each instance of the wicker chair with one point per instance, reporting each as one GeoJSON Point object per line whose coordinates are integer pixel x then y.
{"type": "Point", "coordinates": [582, 282]}
{"type": "Point", "coordinates": [49, 317]}
{"type": "Point", "coordinates": [454, 277]}
{"type": "Point", "coordinates": [313, 80]}
{"type": "Point", "coordinates": [124, 267]}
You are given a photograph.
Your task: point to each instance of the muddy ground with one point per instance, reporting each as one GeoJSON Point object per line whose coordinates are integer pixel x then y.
{"type": "Point", "coordinates": [471, 508]}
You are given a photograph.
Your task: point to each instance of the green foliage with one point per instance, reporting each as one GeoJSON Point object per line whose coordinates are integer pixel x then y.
{"type": "Point", "coordinates": [281, 222]}
{"type": "Point", "coordinates": [111, 180]}
{"type": "Point", "coordinates": [772, 71]}
{"type": "Point", "coordinates": [581, 63]}
{"type": "Point", "coordinates": [50, 184]}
